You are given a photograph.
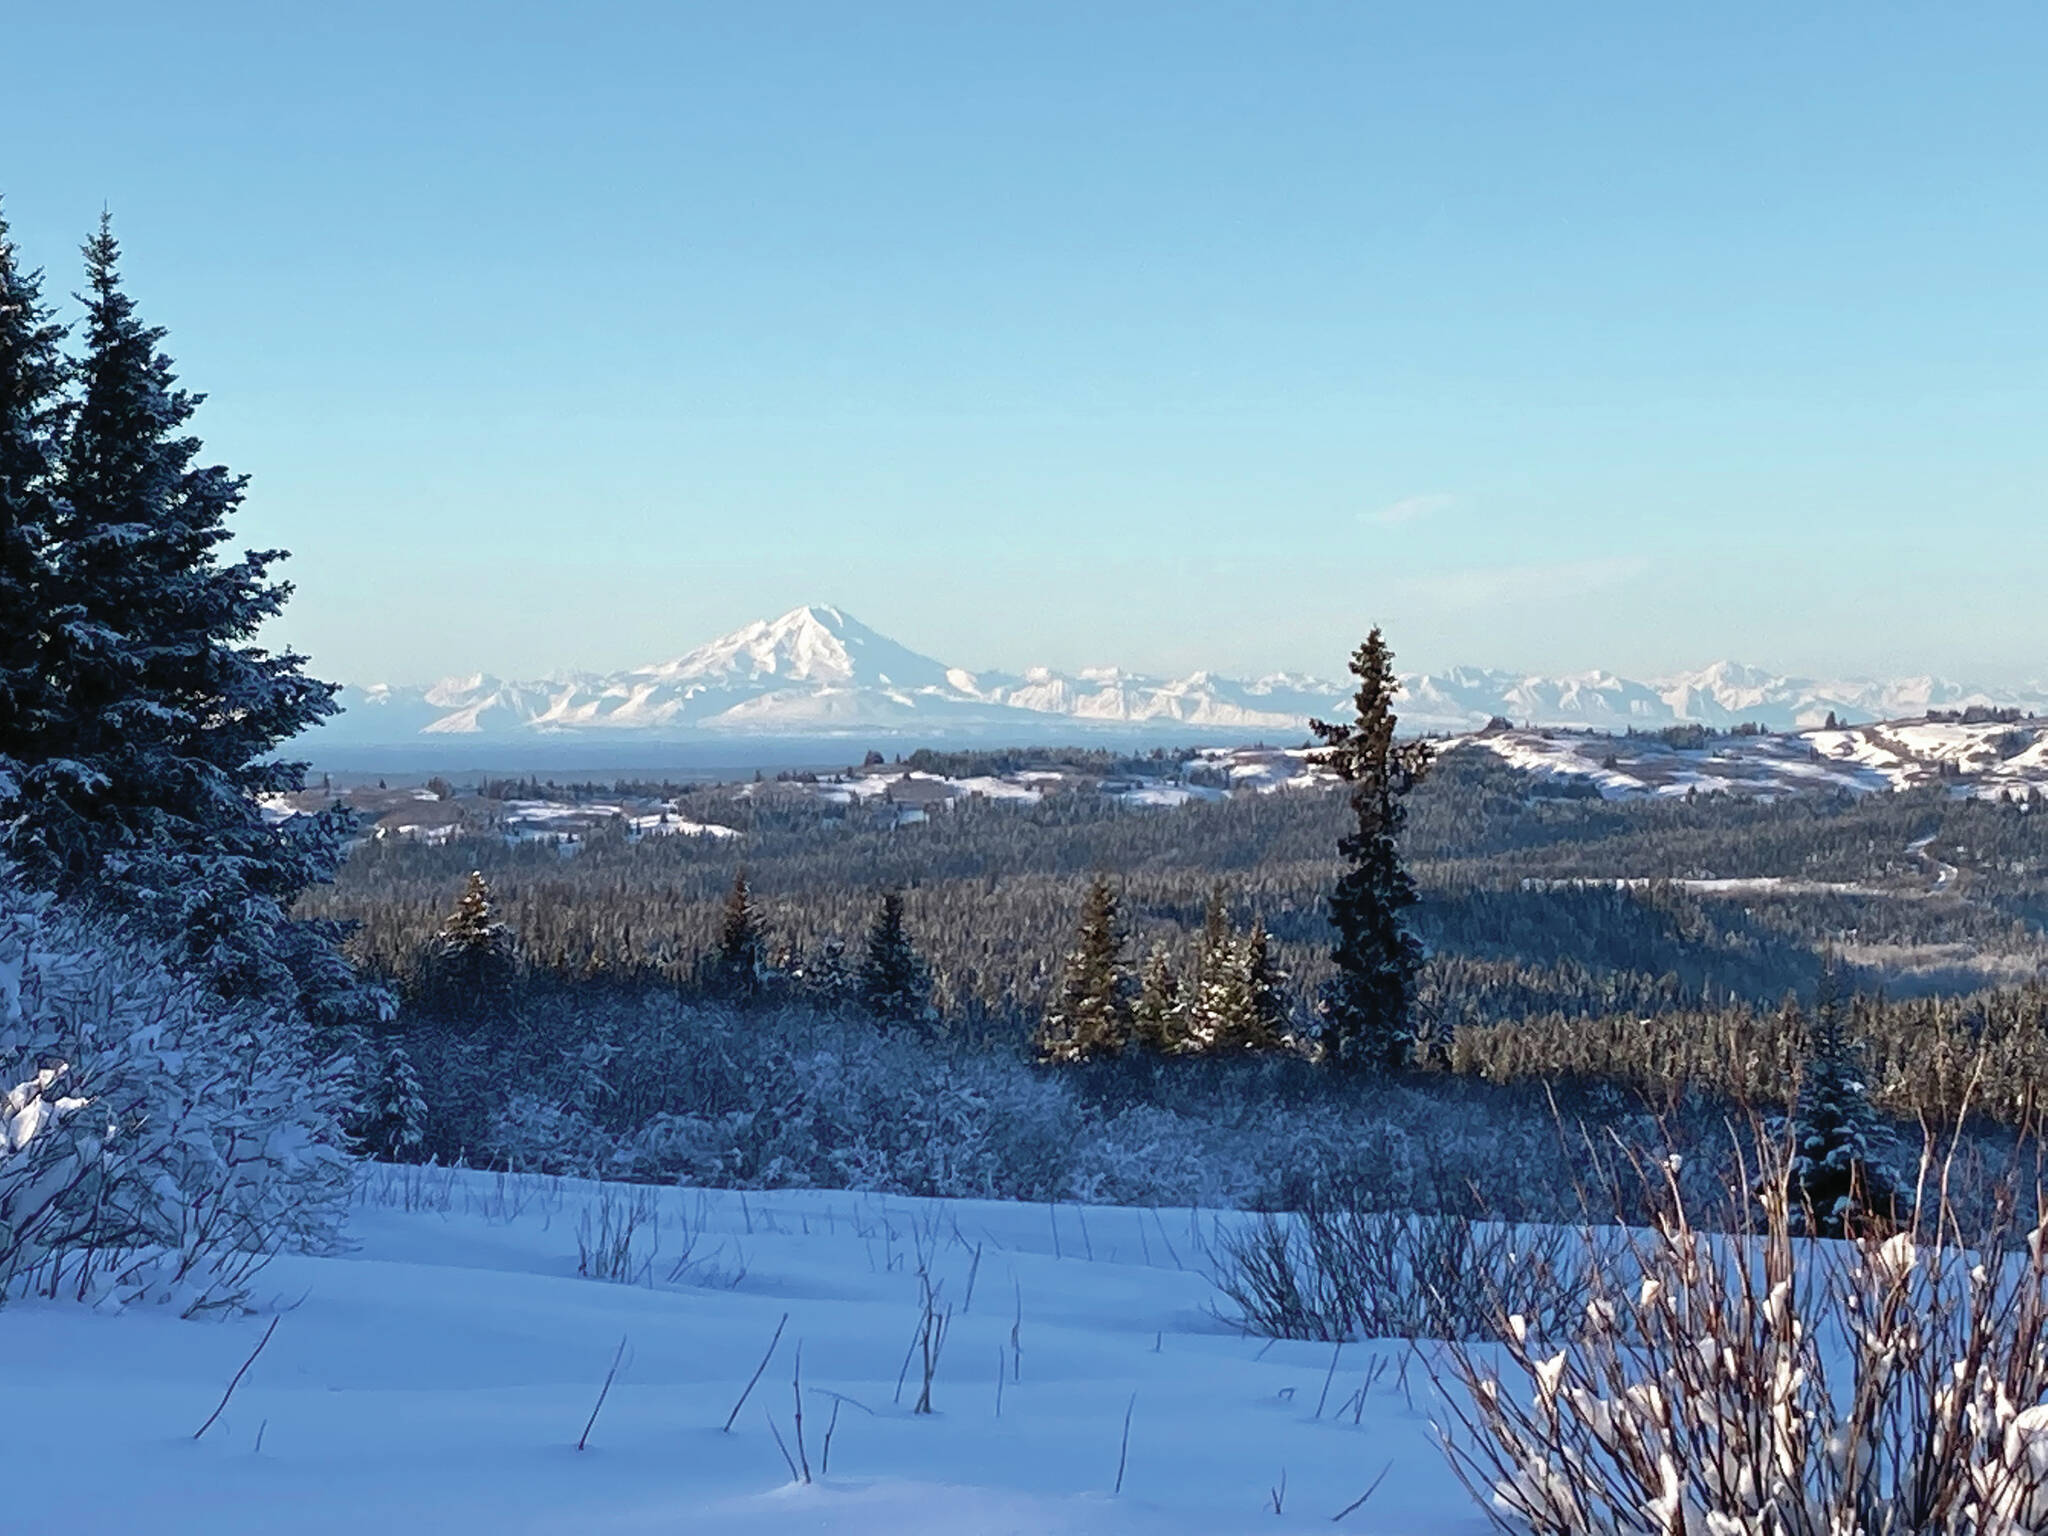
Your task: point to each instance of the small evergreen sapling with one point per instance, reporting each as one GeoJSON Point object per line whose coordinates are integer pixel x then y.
{"type": "Point", "coordinates": [395, 1116]}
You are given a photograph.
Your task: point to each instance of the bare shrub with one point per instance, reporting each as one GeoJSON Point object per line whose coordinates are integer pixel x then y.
{"type": "Point", "coordinates": [608, 1245]}
{"type": "Point", "coordinates": [1755, 1383]}
{"type": "Point", "coordinates": [1343, 1270]}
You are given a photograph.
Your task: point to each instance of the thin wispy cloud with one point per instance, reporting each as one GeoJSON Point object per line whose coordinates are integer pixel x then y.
{"type": "Point", "coordinates": [1410, 509]}
{"type": "Point", "coordinates": [1492, 586]}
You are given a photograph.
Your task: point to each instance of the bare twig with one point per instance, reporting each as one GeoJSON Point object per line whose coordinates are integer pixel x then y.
{"type": "Point", "coordinates": [1123, 1452]}
{"type": "Point", "coordinates": [1329, 1376]}
{"type": "Point", "coordinates": [825, 1460]}
{"type": "Point", "coordinates": [786, 1460]}
{"type": "Point", "coordinates": [602, 1393]}
{"type": "Point", "coordinates": [796, 1387]}
{"type": "Point", "coordinates": [736, 1407]}
{"type": "Point", "coordinates": [1359, 1502]}
{"type": "Point", "coordinates": [237, 1381]}
{"type": "Point", "coordinates": [1016, 1336]}
{"type": "Point", "coordinates": [972, 1270]}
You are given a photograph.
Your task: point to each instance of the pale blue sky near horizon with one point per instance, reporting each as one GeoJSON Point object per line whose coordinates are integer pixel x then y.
{"type": "Point", "coordinates": [1179, 335]}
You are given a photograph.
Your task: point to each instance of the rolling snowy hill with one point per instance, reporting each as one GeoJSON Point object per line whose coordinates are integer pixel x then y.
{"type": "Point", "coordinates": [818, 672]}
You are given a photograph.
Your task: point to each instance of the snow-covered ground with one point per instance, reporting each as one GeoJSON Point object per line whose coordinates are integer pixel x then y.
{"type": "Point", "coordinates": [436, 1379]}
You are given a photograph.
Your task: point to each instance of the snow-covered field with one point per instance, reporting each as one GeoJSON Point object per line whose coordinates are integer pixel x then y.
{"type": "Point", "coordinates": [437, 1378]}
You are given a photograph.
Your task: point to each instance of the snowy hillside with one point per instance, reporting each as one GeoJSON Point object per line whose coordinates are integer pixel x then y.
{"type": "Point", "coordinates": [816, 671]}
{"type": "Point", "coordinates": [437, 1378]}
{"type": "Point", "coordinates": [1988, 758]}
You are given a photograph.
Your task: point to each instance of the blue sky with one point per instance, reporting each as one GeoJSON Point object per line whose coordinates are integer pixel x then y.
{"type": "Point", "coordinates": [1172, 335]}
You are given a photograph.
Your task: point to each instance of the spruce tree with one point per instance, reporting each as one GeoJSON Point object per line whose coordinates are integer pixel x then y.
{"type": "Point", "coordinates": [1091, 1018]}
{"type": "Point", "coordinates": [395, 1112]}
{"type": "Point", "coordinates": [1838, 1177]}
{"type": "Point", "coordinates": [828, 981]}
{"type": "Point", "coordinates": [472, 965]}
{"type": "Point", "coordinates": [143, 792]}
{"type": "Point", "coordinates": [1263, 1026]}
{"type": "Point", "coordinates": [737, 964]}
{"type": "Point", "coordinates": [1156, 1016]}
{"type": "Point", "coordinates": [32, 417]}
{"type": "Point", "coordinates": [893, 986]}
{"type": "Point", "coordinates": [1367, 1009]}
{"type": "Point", "coordinates": [1204, 1004]}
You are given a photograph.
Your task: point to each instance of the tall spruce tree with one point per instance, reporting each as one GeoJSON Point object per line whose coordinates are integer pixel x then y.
{"type": "Point", "coordinates": [33, 410]}
{"type": "Point", "coordinates": [1091, 1018]}
{"type": "Point", "coordinates": [1367, 1008]}
{"type": "Point", "coordinates": [143, 792]}
{"type": "Point", "coordinates": [894, 987]}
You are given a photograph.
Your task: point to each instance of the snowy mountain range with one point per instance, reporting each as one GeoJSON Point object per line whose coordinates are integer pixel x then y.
{"type": "Point", "coordinates": [818, 672]}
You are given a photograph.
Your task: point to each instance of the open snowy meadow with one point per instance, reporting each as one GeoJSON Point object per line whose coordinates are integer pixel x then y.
{"type": "Point", "coordinates": [439, 1375]}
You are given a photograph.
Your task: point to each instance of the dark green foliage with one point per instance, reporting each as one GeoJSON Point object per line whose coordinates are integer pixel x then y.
{"type": "Point", "coordinates": [1265, 1016]}
{"type": "Point", "coordinates": [33, 410]}
{"type": "Point", "coordinates": [827, 982]}
{"type": "Point", "coordinates": [142, 787]}
{"type": "Point", "coordinates": [1156, 1023]}
{"type": "Point", "coordinates": [1092, 1018]}
{"type": "Point", "coordinates": [470, 970]}
{"type": "Point", "coordinates": [894, 988]}
{"type": "Point", "coordinates": [1368, 1006]}
{"type": "Point", "coordinates": [737, 968]}
{"type": "Point", "coordinates": [1839, 1179]}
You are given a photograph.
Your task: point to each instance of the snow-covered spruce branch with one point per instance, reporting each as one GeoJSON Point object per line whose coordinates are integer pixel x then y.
{"type": "Point", "coordinates": [1758, 1383]}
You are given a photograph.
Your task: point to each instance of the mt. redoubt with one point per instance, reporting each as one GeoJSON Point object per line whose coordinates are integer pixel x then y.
{"type": "Point", "coordinates": [818, 672]}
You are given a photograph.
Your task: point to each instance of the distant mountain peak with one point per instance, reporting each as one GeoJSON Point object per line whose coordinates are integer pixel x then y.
{"type": "Point", "coordinates": [816, 670]}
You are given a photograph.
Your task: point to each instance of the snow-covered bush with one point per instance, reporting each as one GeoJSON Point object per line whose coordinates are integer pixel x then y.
{"type": "Point", "coordinates": [1763, 1384]}
{"type": "Point", "coordinates": [1149, 1155]}
{"type": "Point", "coordinates": [788, 1101]}
{"type": "Point", "coordinates": [159, 1144]}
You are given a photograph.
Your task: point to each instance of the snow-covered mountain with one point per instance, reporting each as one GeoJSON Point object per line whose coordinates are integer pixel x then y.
{"type": "Point", "coordinates": [817, 671]}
